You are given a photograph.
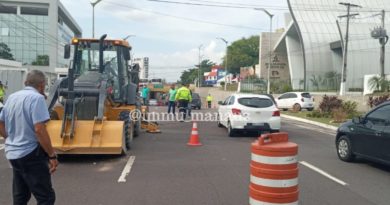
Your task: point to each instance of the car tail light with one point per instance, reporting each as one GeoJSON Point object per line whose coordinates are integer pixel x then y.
{"type": "Point", "coordinates": [302, 99]}
{"type": "Point", "coordinates": [236, 111]}
{"type": "Point", "coordinates": [276, 113]}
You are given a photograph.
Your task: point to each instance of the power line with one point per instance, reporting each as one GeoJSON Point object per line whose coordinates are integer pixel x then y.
{"type": "Point", "coordinates": [183, 18]}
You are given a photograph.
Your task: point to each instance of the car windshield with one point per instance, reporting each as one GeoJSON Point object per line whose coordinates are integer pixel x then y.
{"type": "Point", "coordinates": [306, 95]}
{"type": "Point", "coordinates": [255, 102]}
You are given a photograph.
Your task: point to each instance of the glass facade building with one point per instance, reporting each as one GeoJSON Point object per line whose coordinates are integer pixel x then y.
{"type": "Point", "coordinates": [314, 43]}
{"type": "Point", "coordinates": [36, 31]}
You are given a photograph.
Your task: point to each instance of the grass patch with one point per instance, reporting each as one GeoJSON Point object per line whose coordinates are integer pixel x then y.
{"type": "Point", "coordinates": [303, 114]}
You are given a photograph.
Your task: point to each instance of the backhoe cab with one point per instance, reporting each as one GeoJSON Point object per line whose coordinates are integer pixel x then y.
{"type": "Point", "coordinates": [93, 109]}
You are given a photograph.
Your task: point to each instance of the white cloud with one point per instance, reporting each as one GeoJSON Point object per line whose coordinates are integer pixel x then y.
{"type": "Point", "coordinates": [172, 41]}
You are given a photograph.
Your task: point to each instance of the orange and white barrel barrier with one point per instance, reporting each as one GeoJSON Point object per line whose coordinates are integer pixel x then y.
{"type": "Point", "coordinates": [274, 171]}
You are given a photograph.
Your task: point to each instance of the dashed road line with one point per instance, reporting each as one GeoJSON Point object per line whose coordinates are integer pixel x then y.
{"type": "Point", "coordinates": [318, 170]}
{"type": "Point", "coordinates": [127, 169]}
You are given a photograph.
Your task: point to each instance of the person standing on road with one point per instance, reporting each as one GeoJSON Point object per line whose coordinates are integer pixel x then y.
{"type": "Point", "coordinates": [2, 92]}
{"type": "Point", "coordinates": [183, 96]}
{"type": "Point", "coordinates": [172, 96]}
{"type": "Point", "coordinates": [27, 142]}
{"type": "Point", "coordinates": [145, 94]}
{"type": "Point", "coordinates": [209, 100]}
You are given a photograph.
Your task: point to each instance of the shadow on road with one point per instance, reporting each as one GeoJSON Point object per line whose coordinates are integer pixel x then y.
{"type": "Point", "coordinates": [376, 165]}
{"type": "Point", "coordinates": [88, 158]}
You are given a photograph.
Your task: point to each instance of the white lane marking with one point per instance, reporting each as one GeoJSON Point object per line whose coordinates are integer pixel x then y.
{"type": "Point", "coordinates": [274, 160]}
{"type": "Point", "coordinates": [314, 168]}
{"type": "Point", "coordinates": [255, 202]}
{"type": "Point", "coordinates": [127, 169]}
{"type": "Point", "coordinates": [279, 183]}
{"type": "Point", "coordinates": [2, 146]}
{"type": "Point", "coordinates": [313, 129]}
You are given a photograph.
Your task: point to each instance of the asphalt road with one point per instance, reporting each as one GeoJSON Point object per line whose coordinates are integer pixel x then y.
{"type": "Point", "coordinates": [165, 171]}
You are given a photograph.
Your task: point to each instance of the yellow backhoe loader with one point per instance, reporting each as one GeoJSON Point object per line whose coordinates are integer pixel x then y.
{"type": "Point", "coordinates": [94, 110]}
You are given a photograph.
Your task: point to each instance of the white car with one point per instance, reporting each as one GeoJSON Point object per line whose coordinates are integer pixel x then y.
{"type": "Point", "coordinates": [301, 100]}
{"type": "Point", "coordinates": [249, 112]}
{"type": "Point", "coordinates": [153, 102]}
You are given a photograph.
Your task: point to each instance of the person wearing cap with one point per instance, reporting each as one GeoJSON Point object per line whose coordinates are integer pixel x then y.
{"type": "Point", "coordinates": [2, 92]}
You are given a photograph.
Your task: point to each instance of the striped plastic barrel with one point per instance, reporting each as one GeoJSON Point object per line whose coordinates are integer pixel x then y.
{"type": "Point", "coordinates": [274, 171]}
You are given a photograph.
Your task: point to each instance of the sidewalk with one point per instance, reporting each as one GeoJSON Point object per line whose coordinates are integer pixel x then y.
{"type": "Point", "coordinates": [334, 128]}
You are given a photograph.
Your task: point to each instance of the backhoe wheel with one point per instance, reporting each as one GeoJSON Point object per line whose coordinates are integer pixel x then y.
{"type": "Point", "coordinates": [128, 129]}
{"type": "Point", "coordinates": [137, 127]}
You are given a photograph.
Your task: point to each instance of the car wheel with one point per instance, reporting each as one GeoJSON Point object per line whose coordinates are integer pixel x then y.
{"type": "Point", "coordinates": [218, 122]}
{"type": "Point", "coordinates": [344, 149]}
{"type": "Point", "coordinates": [310, 109]}
{"type": "Point", "coordinates": [231, 131]}
{"type": "Point", "coordinates": [297, 107]}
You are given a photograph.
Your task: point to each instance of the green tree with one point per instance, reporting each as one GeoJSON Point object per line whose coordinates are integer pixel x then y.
{"type": "Point", "coordinates": [42, 60]}
{"type": "Point", "coordinates": [5, 52]}
{"type": "Point", "coordinates": [190, 75]}
{"type": "Point", "coordinates": [315, 81]}
{"type": "Point", "coordinates": [378, 83]}
{"type": "Point", "coordinates": [242, 53]}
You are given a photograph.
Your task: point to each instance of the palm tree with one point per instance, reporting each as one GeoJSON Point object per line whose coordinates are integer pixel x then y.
{"type": "Point", "coordinates": [331, 77]}
{"type": "Point", "coordinates": [315, 81]}
{"type": "Point", "coordinates": [376, 82]}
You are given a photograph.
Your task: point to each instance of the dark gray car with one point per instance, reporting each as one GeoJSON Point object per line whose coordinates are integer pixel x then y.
{"type": "Point", "coordinates": [196, 101]}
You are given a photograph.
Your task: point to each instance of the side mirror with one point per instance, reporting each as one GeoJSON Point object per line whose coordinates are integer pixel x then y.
{"type": "Point", "coordinates": [220, 103]}
{"type": "Point", "coordinates": [126, 53]}
{"type": "Point", "coordinates": [67, 51]}
{"type": "Point", "coordinates": [357, 120]}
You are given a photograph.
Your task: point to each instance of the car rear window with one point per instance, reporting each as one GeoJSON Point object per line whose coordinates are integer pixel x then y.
{"type": "Point", "coordinates": [306, 95]}
{"type": "Point", "coordinates": [256, 102]}
{"type": "Point", "coordinates": [195, 96]}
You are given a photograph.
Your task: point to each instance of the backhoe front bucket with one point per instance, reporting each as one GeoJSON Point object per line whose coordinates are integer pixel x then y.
{"type": "Point", "coordinates": [90, 137]}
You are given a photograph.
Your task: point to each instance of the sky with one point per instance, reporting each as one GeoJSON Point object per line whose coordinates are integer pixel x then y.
{"type": "Point", "coordinates": [170, 34]}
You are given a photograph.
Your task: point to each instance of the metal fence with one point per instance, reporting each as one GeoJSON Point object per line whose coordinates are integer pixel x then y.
{"type": "Point", "coordinates": [253, 86]}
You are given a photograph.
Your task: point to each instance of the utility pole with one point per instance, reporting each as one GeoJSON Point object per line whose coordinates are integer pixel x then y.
{"type": "Point", "coordinates": [381, 34]}
{"type": "Point", "coordinates": [345, 55]}
{"type": "Point", "coordinates": [383, 42]}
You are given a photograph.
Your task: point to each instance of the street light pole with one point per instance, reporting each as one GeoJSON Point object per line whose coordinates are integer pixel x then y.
{"type": "Point", "coordinates": [200, 47]}
{"type": "Point", "coordinates": [270, 48]}
{"type": "Point", "coordinates": [94, 3]}
{"type": "Point", "coordinates": [226, 60]}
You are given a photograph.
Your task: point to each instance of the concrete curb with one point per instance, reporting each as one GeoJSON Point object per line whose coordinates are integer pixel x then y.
{"type": "Point", "coordinates": [334, 128]}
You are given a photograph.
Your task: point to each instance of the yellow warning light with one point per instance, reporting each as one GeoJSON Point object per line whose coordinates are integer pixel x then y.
{"type": "Point", "coordinates": [75, 41]}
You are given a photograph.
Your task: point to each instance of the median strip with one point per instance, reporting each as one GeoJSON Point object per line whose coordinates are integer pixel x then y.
{"type": "Point", "coordinates": [127, 169]}
{"type": "Point", "coordinates": [318, 170]}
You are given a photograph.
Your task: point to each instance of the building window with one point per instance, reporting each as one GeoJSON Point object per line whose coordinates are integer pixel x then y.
{"type": "Point", "coordinates": [8, 9]}
{"type": "Point", "coordinates": [34, 11]}
{"type": "Point", "coordinates": [4, 31]}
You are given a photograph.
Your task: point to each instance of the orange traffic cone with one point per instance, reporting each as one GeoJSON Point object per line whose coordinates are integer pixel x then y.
{"type": "Point", "coordinates": [194, 139]}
